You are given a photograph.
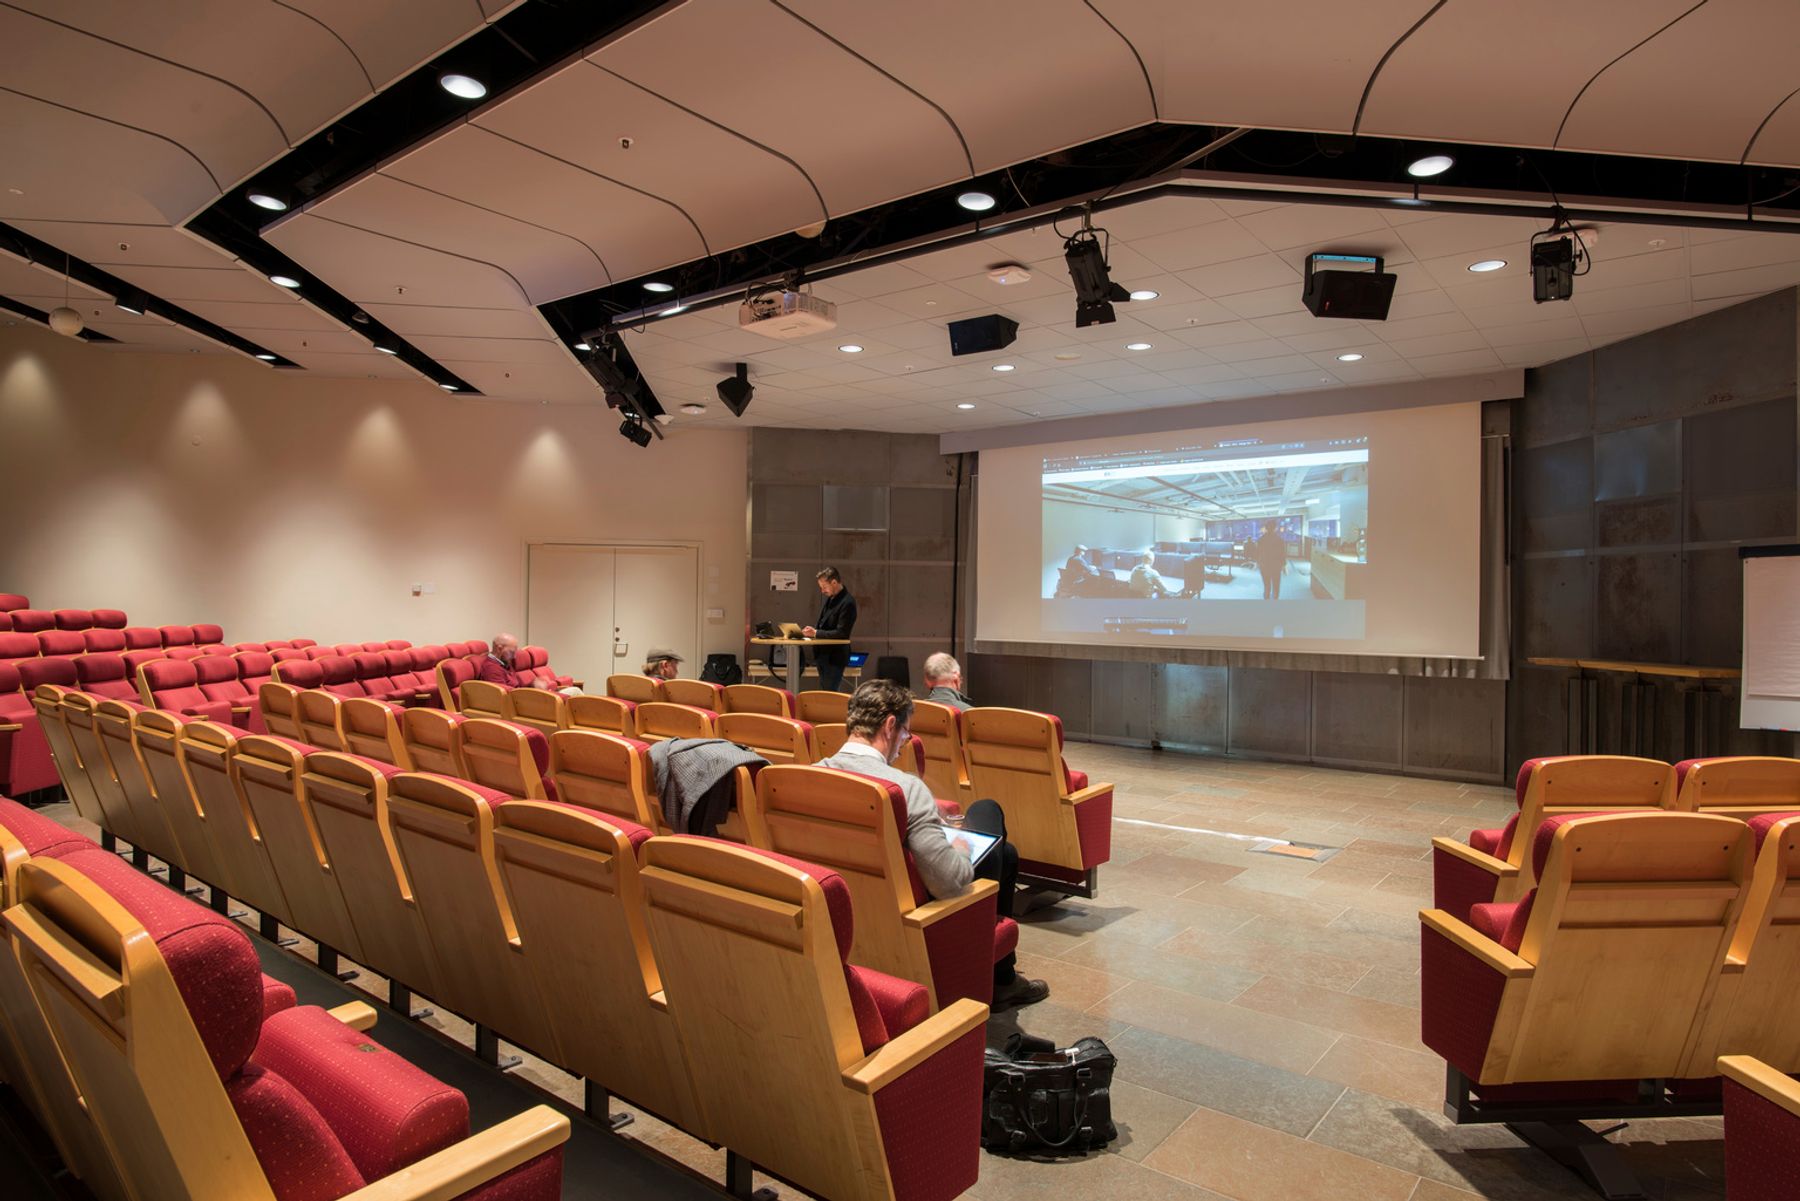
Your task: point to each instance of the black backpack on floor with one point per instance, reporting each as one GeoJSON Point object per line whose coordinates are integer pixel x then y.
{"type": "Point", "coordinates": [1037, 1100]}
{"type": "Point", "coordinates": [721, 669]}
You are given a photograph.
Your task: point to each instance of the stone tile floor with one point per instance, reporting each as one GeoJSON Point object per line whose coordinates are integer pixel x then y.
{"type": "Point", "coordinates": [1265, 1010]}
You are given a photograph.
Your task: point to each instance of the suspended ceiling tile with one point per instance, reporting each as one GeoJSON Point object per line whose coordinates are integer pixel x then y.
{"type": "Point", "coordinates": [564, 383]}
{"type": "Point", "coordinates": [298, 345]}
{"type": "Point", "coordinates": [1467, 233]}
{"type": "Point", "coordinates": [724, 59]}
{"type": "Point", "coordinates": [371, 267]}
{"type": "Point", "coordinates": [364, 364]}
{"type": "Point", "coordinates": [182, 284]}
{"type": "Point", "coordinates": [1457, 77]}
{"type": "Point", "coordinates": [1753, 250]}
{"type": "Point", "coordinates": [1211, 63]}
{"type": "Point", "coordinates": [19, 279]}
{"type": "Point", "coordinates": [251, 318]}
{"type": "Point", "coordinates": [118, 174]}
{"type": "Point", "coordinates": [99, 243]}
{"type": "Point", "coordinates": [410, 320]}
{"type": "Point", "coordinates": [1698, 90]}
{"type": "Point", "coordinates": [1779, 141]}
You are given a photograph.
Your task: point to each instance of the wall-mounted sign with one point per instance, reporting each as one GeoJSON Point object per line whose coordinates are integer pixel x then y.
{"type": "Point", "coordinates": [784, 581]}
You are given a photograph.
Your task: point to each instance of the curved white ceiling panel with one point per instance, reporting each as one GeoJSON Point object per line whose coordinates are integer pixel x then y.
{"type": "Point", "coordinates": [59, 164]}
{"type": "Point", "coordinates": [371, 267]}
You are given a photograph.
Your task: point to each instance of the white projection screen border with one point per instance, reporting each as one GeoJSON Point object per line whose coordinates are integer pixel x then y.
{"type": "Point", "coordinates": [1351, 533]}
{"type": "Point", "coordinates": [1770, 695]}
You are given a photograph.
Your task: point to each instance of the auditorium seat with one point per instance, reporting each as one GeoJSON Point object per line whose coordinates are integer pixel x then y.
{"type": "Point", "coordinates": [696, 693]}
{"type": "Point", "coordinates": [176, 635]}
{"type": "Point", "coordinates": [105, 675]}
{"type": "Point", "coordinates": [478, 698]}
{"type": "Point", "coordinates": [609, 714]}
{"type": "Point", "coordinates": [32, 621]}
{"type": "Point", "coordinates": [638, 689]}
{"type": "Point", "coordinates": [1752, 1011]}
{"type": "Point", "coordinates": [374, 646]}
{"type": "Point", "coordinates": [577, 906]}
{"type": "Point", "coordinates": [157, 736]}
{"type": "Point", "coordinates": [777, 739]}
{"type": "Point", "coordinates": [1628, 926]}
{"type": "Point", "coordinates": [11, 601]}
{"type": "Point", "coordinates": [408, 685]}
{"type": "Point", "coordinates": [319, 653]}
{"type": "Point", "coordinates": [207, 750]}
{"type": "Point", "coordinates": [114, 723]}
{"type": "Point", "coordinates": [606, 773]}
{"type": "Point", "coordinates": [268, 772]}
{"type": "Point", "coordinates": [82, 723]}
{"type": "Point", "coordinates": [444, 833]}
{"type": "Point", "coordinates": [757, 698]}
{"type": "Point", "coordinates": [48, 701]}
{"type": "Point", "coordinates": [217, 678]}
{"type": "Point", "coordinates": [102, 641]}
{"type": "Point", "coordinates": [397, 644]}
{"type": "Point", "coordinates": [183, 653]}
{"type": "Point", "coordinates": [1762, 1130]}
{"type": "Point", "coordinates": [339, 672]}
{"type": "Point", "coordinates": [15, 647]}
{"type": "Point", "coordinates": [255, 668]}
{"type": "Point", "coordinates": [538, 708]}
{"type": "Point", "coordinates": [136, 659]}
{"type": "Point", "coordinates": [377, 681]}
{"type": "Point", "coordinates": [856, 826]}
{"type": "Point", "coordinates": [61, 642]}
{"type": "Point", "coordinates": [142, 638]}
{"type": "Point", "coordinates": [349, 800]}
{"type": "Point", "coordinates": [660, 720]}
{"type": "Point", "coordinates": [287, 654]}
{"type": "Point", "coordinates": [1739, 786]}
{"type": "Point", "coordinates": [506, 757]}
{"type": "Point", "coordinates": [25, 764]}
{"type": "Point", "coordinates": [431, 741]}
{"type": "Point", "coordinates": [320, 716]}
{"type": "Point", "coordinates": [348, 649]}
{"type": "Point", "coordinates": [279, 700]}
{"type": "Point", "coordinates": [173, 684]}
{"type": "Point", "coordinates": [1060, 823]}
{"type": "Point", "coordinates": [828, 738]}
{"type": "Point", "coordinates": [217, 650]}
{"type": "Point", "coordinates": [73, 619]}
{"type": "Point", "coordinates": [109, 619]}
{"type": "Point", "coordinates": [889, 1099]}
{"type": "Point", "coordinates": [452, 674]}
{"type": "Point", "coordinates": [372, 730]}
{"type": "Point", "coordinates": [303, 643]}
{"type": "Point", "coordinates": [58, 671]}
{"type": "Point", "coordinates": [206, 634]}
{"type": "Point", "coordinates": [200, 1096]}
{"type": "Point", "coordinates": [1495, 865]}
{"type": "Point", "coordinates": [534, 661]}
{"type": "Point", "coordinates": [238, 648]}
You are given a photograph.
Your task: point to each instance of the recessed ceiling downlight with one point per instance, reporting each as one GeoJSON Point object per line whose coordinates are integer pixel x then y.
{"type": "Point", "coordinates": [850, 348]}
{"type": "Point", "coordinates": [284, 281]}
{"type": "Point", "coordinates": [1431, 164]}
{"type": "Point", "coordinates": [1350, 357]}
{"type": "Point", "coordinates": [1144, 294]}
{"type": "Point", "coordinates": [976, 202]}
{"type": "Point", "coordinates": [693, 410]}
{"type": "Point", "coordinates": [1487, 265]}
{"type": "Point", "coordinates": [657, 285]}
{"type": "Point", "coordinates": [387, 350]}
{"type": "Point", "coordinates": [1003, 367]}
{"type": "Point", "coordinates": [265, 356]}
{"type": "Point", "coordinates": [464, 87]}
{"type": "Point", "coordinates": [448, 387]}
{"type": "Point", "coordinates": [1137, 346]}
{"type": "Point", "coordinates": [965, 405]}
{"type": "Point", "coordinates": [267, 200]}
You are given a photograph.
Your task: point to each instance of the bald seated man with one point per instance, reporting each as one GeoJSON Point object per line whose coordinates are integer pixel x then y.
{"type": "Point", "coordinates": [497, 668]}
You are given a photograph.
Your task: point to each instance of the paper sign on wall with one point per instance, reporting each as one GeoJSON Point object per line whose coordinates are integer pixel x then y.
{"type": "Point", "coordinates": [784, 581]}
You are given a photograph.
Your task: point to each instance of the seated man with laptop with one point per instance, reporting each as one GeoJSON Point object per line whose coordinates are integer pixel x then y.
{"type": "Point", "coordinates": [948, 857]}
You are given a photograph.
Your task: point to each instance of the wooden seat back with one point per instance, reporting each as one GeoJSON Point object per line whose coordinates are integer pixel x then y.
{"type": "Point", "coordinates": [828, 739]}
{"type": "Point", "coordinates": [605, 773]}
{"type": "Point", "coordinates": [498, 754]}
{"type": "Point", "coordinates": [84, 734]}
{"type": "Point", "coordinates": [158, 738]}
{"type": "Point", "coordinates": [572, 880]}
{"type": "Point", "coordinates": [48, 701]}
{"type": "Point", "coordinates": [757, 698]}
{"type": "Point", "coordinates": [478, 698]}
{"type": "Point", "coordinates": [608, 714]}
{"type": "Point", "coordinates": [823, 708]}
{"type": "Point", "coordinates": [112, 721]}
{"type": "Point", "coordinates": [1581, 784]}
{"type": "Point", "coordinates": [635, 688]}
{"type": "Point", "coordinates": [538, 708]}
{"type": "Point", "coordinates": [269, 771]}
{"type": "Point", "coordinates": [1015, 756]}
{"type": "Point", "coordinates": [207, 751]}
{"type": "Point", "coordinates": [444, 833]}
{"type": "Point", "coordinates": [320, 716]}
{"type": "Point", "coordinates": [278, 702]}
{"type": "Point", "coordinates": [431, 741]}
{"type": "Point", "coordinates": [1743, 787]}
{"type": "Point", "coordinates": [698, 693]}
{"type": "Point", "coordinates": [348, 796]}
{"type": "Point", "coordinates": [372, 731]}
{"type": "Point", "coordinates": [777, 739]}
{"type": "Point", "coordinates": [939, 727]}
{"type": "Point", "coordinates": [660, 720]}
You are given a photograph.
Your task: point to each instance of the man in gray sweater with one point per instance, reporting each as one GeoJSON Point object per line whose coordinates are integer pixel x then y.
{"type": "Point", "coordinates": [943, 679]}
{"type": "Point", "coordinates": [879, 727]}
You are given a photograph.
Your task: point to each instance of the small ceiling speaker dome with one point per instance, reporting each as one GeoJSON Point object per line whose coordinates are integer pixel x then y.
{"type": "Point", "coordinates": [66, 321]}
{"type": "Point", "coordinates": [811, 231]}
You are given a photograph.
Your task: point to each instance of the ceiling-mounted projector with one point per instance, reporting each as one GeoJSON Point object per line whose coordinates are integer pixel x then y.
{"type": "Point", "coordinates": [787, 315]}
{"type": "Point", "coordinates": [1331, 290]}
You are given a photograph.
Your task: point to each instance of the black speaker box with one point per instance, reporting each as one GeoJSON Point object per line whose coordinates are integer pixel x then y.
{"type": "Point", "coordinates": [1361, 295]}
{"type": "Point", "coordinates": [982, 333]}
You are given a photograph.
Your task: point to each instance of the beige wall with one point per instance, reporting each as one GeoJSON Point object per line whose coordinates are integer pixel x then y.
{"type": "Point", "coordinates": [187, 488]}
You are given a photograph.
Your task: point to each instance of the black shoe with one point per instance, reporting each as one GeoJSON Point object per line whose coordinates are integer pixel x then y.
{"type": "Point", "coordinates": [1019, 992]}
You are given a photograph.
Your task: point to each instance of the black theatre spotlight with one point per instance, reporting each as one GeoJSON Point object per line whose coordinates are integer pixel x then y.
{"type": "Point", "coordinates": [1095, 292]}
{"type": "Point", "coordinates": [1558, 255]}
{"type": "Point", "coordinates": [633, 428]}
{"type": "Point", "coordinates": [736, 390]}
{"type": "Point", "coordinates": [132, 301]}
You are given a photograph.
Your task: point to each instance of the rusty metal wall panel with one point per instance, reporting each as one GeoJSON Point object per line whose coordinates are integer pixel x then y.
{"type": "Point", "coordinates": [1357, 719]}
{"type": "Point", "coordinates": [1553, 496]}
{"type": "Point", "coordinates": [1743, 353]}
{"type": "Point", "coordinates": [1555, 607]}
{"type": "Point", "coordinates": [1644, 460]}
{"type": "Point", "coordinates": [922, 523]}
{"type": "Point", "coordinates": [1271, 712]}
{"type": "Point", "coordinates": [1188, 705]}
{"type": "Point", "coordinates": [1713, 608]}
{"type": "Point", "coordinates": [1121, 695]}
{"type": "Point", "coordinates": [1653, 522]}
{"type": "Point", "coordinates": [1558, 402]}
{"type": "Point", "coordinates": [1741, 472]}
{"type": "Point", "coordinates": [1637, 607]}
{"type": "Point", "coordinates": [918, 603]}
{"type": "Point", "coordinates": [1455, 727]}
{"type": "Point", "coordinates": [1537, 714]}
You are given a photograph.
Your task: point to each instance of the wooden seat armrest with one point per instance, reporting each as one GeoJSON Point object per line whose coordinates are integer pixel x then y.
{"type": "Point", "coordinates": [1476, 944]}
{"type": "Point", "coordinates": [901, 1055]}
{"type": "Point", "coordinates": [1088, 793]}
{"type": "Point", "coordinates": [1763, 1080]}
{"type": "Point", "coordinates": [1498, 868]}
{"type": "Point", "coordinates": [355, 1014]}
{"type": "Point", "coordinates": [474, 1161]}
{"type": "Point", "coordinates": [932, 912]}
{"type": "Point", "coordinates": [9, 727]}
{"type": "Point", "coordinates": [574, 683]}
{"type": "Point", "coordinates": [242, 708]}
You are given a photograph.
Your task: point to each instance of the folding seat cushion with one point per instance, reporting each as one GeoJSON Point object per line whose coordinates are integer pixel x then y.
{"type": "Point", "coordinates": [5, 622]}
{"type": "Point", "coordinates": [339, 673]}
{"type": "Point", "coordinates": [25, 761]}
{"type": "Point", "coordinates": [507, 756]}
{"type": "Point", "coordinates": [9, 601]}
{"type": "Point", "coordinates": [372, 674]}
{"type": "Point", "coordinates": [255, 668]}
{"type": "Point", "coordinates": [435, 653]}
{"type": "Point", "coordinates": [218, 680]}
{"type": "Point", "coordinates": [109, 619]}
{"type": "Point", "coordinates": [61, 642]}
{"type": "Point", "coordinates": [285, 653]}
{"type": "Point", "coordinates": [136, 659]}
{"type": "Point", "coordinates": [37, 835]}
{"type": "Point", "coordinates": [452, 674]}
{"type": "Point", "coordinates": [206, 634]}
{"type": "Point", "coordinates": [33, 621]}
{"type": "Point", "coordinates": [59, 671]}
{"type": "Point", "coordinates": [238, 648]}
{"type": "Point", "coordinates": [300, 673]}
{"type": "Point", "coordinates": [375, 646]}
{"type": "Point", "coordinates": [16, 646]}
{"type": "Point", "coordinates": [73, 619]}
{"type": "Point", "coordinates": [348, 648]}
{"type": "Point", "coordinates": [397, 644]}
{"type": "Point", "coordinates": [105, 676]}
{"type": "Point", "coordinates": [1762, 1129]}
{"type": "Point", "coordinates": [172, 684]}
{"type": "Point", "coordinates": [303, 643]}
{"type": "Point", "coordinates": [141, 638]}
{"type": "Point", "coordinates": [187, 652]}
{"type": "Point", "coordinates": [101, 640]}
{"type": "Point", "coordinates": [176, 635]}
{"type": "Point", "coordinates": [320, 653]}
{"type": "Point", "coordinates": [412, 667]}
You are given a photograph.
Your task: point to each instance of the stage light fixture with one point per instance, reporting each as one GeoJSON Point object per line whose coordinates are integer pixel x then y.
{"type": "Point", "coordinates": [1095, 292]}
{"type": "Point", "coordinates": [132, 301]}
{"type": "Point", "coordinates": [735, 391]}
{"type": "Point", "coordinates": [633, 429]}
{"type": "Point", "coordinates": [1558, 255]}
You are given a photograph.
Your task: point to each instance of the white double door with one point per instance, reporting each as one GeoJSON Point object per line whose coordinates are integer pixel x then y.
{"type": "Point", "coordinates": [598, 609]}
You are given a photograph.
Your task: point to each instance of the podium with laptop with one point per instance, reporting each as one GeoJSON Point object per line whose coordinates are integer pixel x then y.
{"type": "Point", "coordinates": [791, 641]}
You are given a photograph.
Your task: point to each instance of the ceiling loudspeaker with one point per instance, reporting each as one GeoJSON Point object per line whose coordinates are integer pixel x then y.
{"type": "Point", "coordinates": [1333, 291]}
{"type": "Point", "coordinates": [982, 333]}
{"type": "Point", "coordinates": [736, 390]}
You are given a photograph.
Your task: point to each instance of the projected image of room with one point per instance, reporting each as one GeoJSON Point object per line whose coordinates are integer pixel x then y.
{"type": "Point", "coordinates": [1287, 521]}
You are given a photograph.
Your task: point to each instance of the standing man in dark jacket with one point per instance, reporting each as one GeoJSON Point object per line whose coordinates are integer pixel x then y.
{"type": "Point", "coordinates": [837, 617]}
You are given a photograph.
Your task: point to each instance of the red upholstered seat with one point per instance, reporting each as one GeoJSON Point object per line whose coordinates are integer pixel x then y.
{"type": "Point", "coordinates": [375, 646]}
{"type": "Point", "coordinates": [105, 676]}
{"type": "Point", "coordinates": [452, 674]}
{"type": "Point", "coordinates": [303, 643]}
{"type": "Point", "coordinates": [15, 646]}
{"type": "Point", "coordinates": [176, 635]}
{"type": "Point", "coordinates": [207, 635]}
{"type": "Point", "coordinates": [340, 676]}
{"type": "Point", "coordinates": [319, 654]}
{"type": "Point", "coordinates": [61, 642]}
{"type": "Point", "coordinates": [25, 762]}
{"type": "Point", "coordinates": [397, 644]}
{"type": "Point", "coordinates": [348, 648]}
{"type": "Point", "coordinates": [238, 648]}
{"type": "Point", "coordinates": [255, 668]}
{"type": "Point", "coordinates": [218, 680]}
{"type": "Point", "coordinates": [73, 619]}
{"type": "Point", "coordinates": [10, 601]}
{"type": "Point", "coordinates": [32, 621]}
{"type": "Point", "coordinates": [101, 640]}
{"type": "Point", "coordinates": [141, 638]}
{"type": "Point", "coordinates": [109, 619]}
{"type": "Point", "coordinates": [284, 653]}
{"type": "Point", "coordinates": [372, 673]}
{"type": "Point", "coordinates": [40, 835]}
{"type": "Point", "coordinates": [33, 672]}
{"type": "Point", "coordinates": [173, 685]}
{"type": "Point", "coordinates": [189, 651]}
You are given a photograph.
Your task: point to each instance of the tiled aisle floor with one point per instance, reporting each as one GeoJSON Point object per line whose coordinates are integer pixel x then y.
{"type": "Point", "coordinates": [1265, 1011]}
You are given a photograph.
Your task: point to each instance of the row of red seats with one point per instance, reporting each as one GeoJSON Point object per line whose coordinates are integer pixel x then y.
{"type": "Point", "coordinates": [31, 621]}
{"type": "Point", "coordinates": [22, 644]}
{"type": "Point", "coordinates": [573, 932]}
{"type": "Point", "coordinates": [208, 1079]}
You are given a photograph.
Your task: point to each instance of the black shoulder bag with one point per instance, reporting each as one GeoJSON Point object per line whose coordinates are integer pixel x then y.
{"type": "Point", "coordinates": [1038, 1100]}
